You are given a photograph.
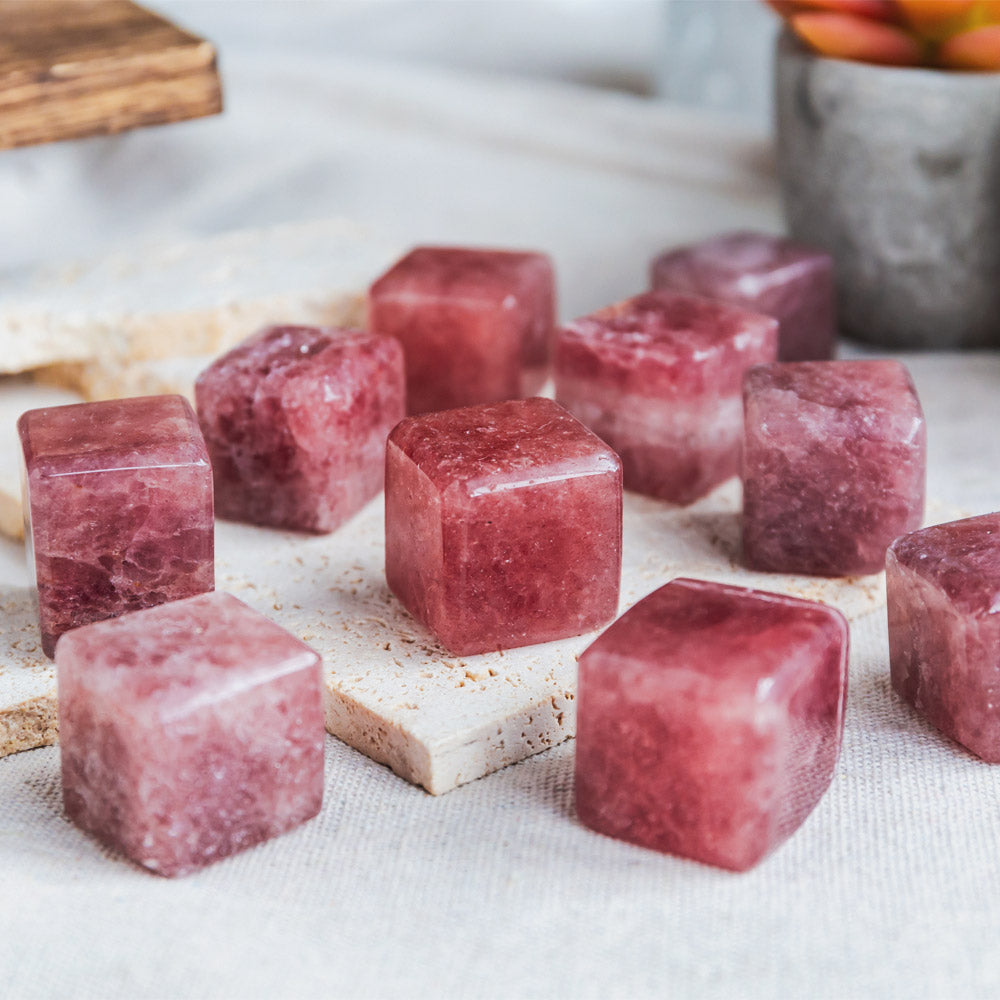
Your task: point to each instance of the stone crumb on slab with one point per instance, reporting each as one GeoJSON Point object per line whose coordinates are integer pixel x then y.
{"type": "Point", "coordinates": [391, 692]}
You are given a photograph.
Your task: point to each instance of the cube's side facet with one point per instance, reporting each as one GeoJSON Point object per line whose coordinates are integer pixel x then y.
{"type": "Point", "coordinates": [944, 660]}
{"type": "Point", "coordinates": [538, 298]}
{"type": "Point", "coordinates": [675, 449]}
{"type": "Point", "coordinates": [532, 564]}
{"type": "Point", "coordinates": [457, 353]}
{"type": "Point", "coordinates": [114, 541]}
{"type": "Point", "coordinates": [414, 549]}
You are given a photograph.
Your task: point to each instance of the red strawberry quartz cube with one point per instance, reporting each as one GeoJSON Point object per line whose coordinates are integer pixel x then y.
{"type": "Point", "coordinates": [189, 731]}
{"type": "Point", "coordinates": [766, 274]}
{"type": "Point", "coordinates": [658, 377]}
{"type": "Point", "coordinates": [834, 465]}
{"type": "Point", "coordinates": [296, 419]}
{"type": "Point", "coordinates": [942, 587]}
{"type": "Point", "coordinates": [710, 720]}
{"type": "Point", "coordinates": [118, 509]}
{"type": "Point", "coordinates": [503, 525]}
{"type": "Point", "coordinates": [475, 325]}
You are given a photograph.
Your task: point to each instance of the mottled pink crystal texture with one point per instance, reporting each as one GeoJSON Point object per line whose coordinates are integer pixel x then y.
{"type": "Point", "coordinates": [503, 525]}
{"type": "Point", "coordinates": [296, 419]}
{"type": "Point", "coordinates": [765, 274]}
{"type": "Point", "coordinates": [943, 591]}
{"type": "Point", "coordinates": [833, 465]}
{"type": "Point", "coordinates": [658, 377]}
{"type": "Point", "coordinates": [475, 325]}
{"type": "Point", "coordinates": [709, 721]}
{"type": "Point", "coordinates": [118, 509]}
{"type": "Point", "coordinates": [189, 731]}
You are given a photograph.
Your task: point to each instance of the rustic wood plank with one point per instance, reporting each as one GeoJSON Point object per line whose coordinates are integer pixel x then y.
{"type": "Point", "coordinates": [74, 68]}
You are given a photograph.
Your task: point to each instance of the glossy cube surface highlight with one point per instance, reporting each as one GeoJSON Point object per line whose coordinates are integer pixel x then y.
{"type": "Point", "coordinates": [709, 721]}
{"type": "Point", "coordinates": [503, 525]}
{"type": "Point", "coordinates": [658, 377]}
{"type": "Point", "coordinates": [942, 588]}
{"type": "Point", "coordinates": [296, 419]}
{"type": "Point", "coordinates": [189, 731]}
{"type": "Point", "coordinates": [834, 465]}
{"type": "Point", "coordinates": [765, 274]}
{"type": "Point", "coordinates": [475, 325]}
{"type": "Point", "coordinates": [118, 509]}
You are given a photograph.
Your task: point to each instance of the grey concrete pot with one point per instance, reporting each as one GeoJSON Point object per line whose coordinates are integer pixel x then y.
{"type": "Point", "coordinates": [896, 172]}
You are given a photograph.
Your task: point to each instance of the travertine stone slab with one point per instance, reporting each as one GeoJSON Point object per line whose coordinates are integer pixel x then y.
{"type": "Point", "coordinates": [391, 692]}
{"type": "Point", "coordinates": [93, 320]}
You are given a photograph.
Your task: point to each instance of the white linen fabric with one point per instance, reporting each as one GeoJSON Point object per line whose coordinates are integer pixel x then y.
{"type": "Point", "coordinates": [890, 889]}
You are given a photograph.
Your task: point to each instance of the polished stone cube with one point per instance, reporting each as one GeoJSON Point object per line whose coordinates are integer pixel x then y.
{"type": "Point", "coordinates": [118, 509]}
{"type": "Point", "coordinates": [189, 731]}
{"type": "Point", "coordinates": [296, 419]}
{"type": "Point", "coordinates": [765, 274]}
{"type": "Point", "coordinates": [942, 587]}
{"type": "Point", "coordinates": [833, 465]}
{"type": "Point", "coordinates": [709, 721]}
{"type": "Point", "coordinates": [658, 377]}
{"type": "Point", "coordinates": [475, 325]}
{"type": "Point", "coordinates": [503, 525]}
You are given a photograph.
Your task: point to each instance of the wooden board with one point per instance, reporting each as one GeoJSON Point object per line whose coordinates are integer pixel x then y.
{"type": "Point", "coordinates": [73, 68]}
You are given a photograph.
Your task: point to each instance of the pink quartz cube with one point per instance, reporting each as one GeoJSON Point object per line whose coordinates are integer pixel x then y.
{"type": "Point", "coordinates": [503, 525]}
{"type": "Point", "coordinates": [189, 731]}
{"type": "Point", "coordinates": [658, 377]}
{"type": "Point", "coordinates": [475, 325]}
{"type": "Point", "coordinates": [118, 509]}
{"type": "Point", "coordinates": [944, 628]}
{"type": "Point", "coordinates": [766, 274]}
{"type": "Point", "coordinates": [709, 721]}
{"type": "Point", "coordinates": [296, 419]}
{"type": "Point", "coordinates": [833, 465]}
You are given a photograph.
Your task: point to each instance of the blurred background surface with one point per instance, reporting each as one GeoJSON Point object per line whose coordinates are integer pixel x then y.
{"type": "Point", "coordinates": [75, 199]}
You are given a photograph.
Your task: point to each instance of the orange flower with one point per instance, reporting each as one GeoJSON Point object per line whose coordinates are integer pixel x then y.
{"type": "Point", "coordinates": [951, 34]}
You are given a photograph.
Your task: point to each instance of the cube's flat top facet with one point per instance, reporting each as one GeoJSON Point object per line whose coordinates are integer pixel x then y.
{"type": "Point", "coordinates": [164, 659]}
{"type": "Point", "coordinates": [137, 433]}
{"type": "Point", "coordinates": [961, 557]}
{"type": "Point", "coordinates": [278, 354]}
{"type": "Point", "coordinates": [502, 446]}
{"type": "Point", "coordinates": [873, 390]}
{"type": "Point", "coordinates": [875, 399]}
{"type": "Point", "coordinates": [747, 264]}
{"type": "Point", "coordinates": [669, 326]}
{"type": "Point", "coordinates": [468, 275]}
{"type": "Point", "coordinates": [746, 640]}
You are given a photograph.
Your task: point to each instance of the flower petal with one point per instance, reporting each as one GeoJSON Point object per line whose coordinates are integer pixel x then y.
{"type": "Point", "coordinates": [845, 36]}
{"type": "Point", "coordinates": [978, 49]}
